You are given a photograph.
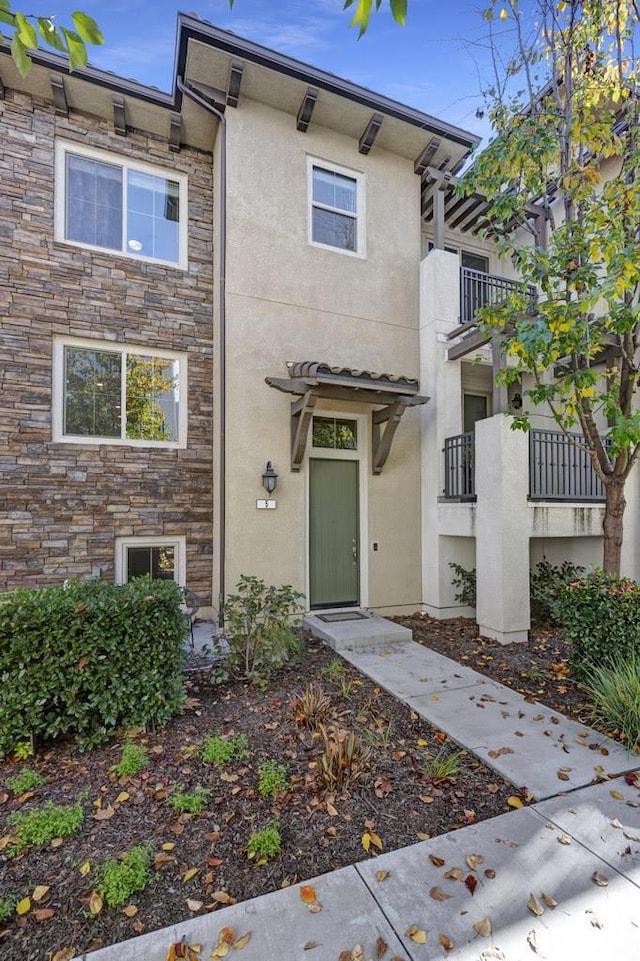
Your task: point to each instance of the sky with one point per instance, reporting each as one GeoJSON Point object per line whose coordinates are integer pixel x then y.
{"type": "Point", "coordinates": [437, 63]}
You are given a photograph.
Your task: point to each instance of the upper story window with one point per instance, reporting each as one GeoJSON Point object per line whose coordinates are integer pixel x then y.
{"type": "Point", "coordinates": [336, 217]}
{"type": "Point", "coordinates": [106, 393]}
{"type": "Point", "coordinates": [112, 203]}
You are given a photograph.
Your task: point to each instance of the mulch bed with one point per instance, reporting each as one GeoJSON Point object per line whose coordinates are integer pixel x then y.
{"type": "Point", "coordinates": [538, 668]}
{"type": "Point", "coordinates": [397, 803]}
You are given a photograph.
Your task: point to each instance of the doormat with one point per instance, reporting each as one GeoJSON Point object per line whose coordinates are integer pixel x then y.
{"type": "Point", "coordinates": [342, 616]}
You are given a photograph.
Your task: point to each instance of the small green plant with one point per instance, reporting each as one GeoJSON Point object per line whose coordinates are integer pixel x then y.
{"type": "Point", "coordinates": [464, 583]}
{"type": "Point", "coordinates": [311, 708]}
{"type": "Point", "coordinates": [123, 877]}
{"type": "Point", "coordinates": [42, 825]}
{"type": "Point", "coordinates": [134, 759]}
{"type": "Point", "coordinates": [265, 844]}
{"type": "Point", "coordinates": [272, 778]}
{"type": "Point", "coordinates": [26, 780]}
{"type": "Point", "coordinates": [379, 735]}
{"type": "Point", "coordinates": [336, 669]}
{"type": "Point", "coordinates": [260, 629]}
{"type": "Point", "coordinates": [189, 802]}
{"type": "Point", "coordinates": [442, 766]}
{"type": "Point", "coordinates": [615, 691]}
{"type": "Point", "coordinates": [219, 751]}
{"type": "Point", "coordinates": [343, 761]}
{"type": "Point", "coordinates": [7, 907]}
{"type": "Point", "coordinates": [23, 750]}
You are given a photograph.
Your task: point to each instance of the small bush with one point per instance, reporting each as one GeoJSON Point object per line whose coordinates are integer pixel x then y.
{"type": "Point", "coordinates": [42, 825]}
{"type": "Point", "coordinates": [189, 802]}
{"type": "Point", "coordinates": [272, 778]}
{"type": "Point", "coordinates": [219, 751]}
{"type": "Point", "coordinates": [86, 659]}
{"type": "Point", "coordinates": [265, 844]}
{"type": "Point", "coordinates": [600, 617]}
{"type": "Point", "coordinates": [123, 877]}
{"type": "Point", "coordinates": [259, 629]}
{"type": "Point", "coordinates": [312, 708]}
{"type": "Point", "coordinates": [7, 907]}
{"type": "Point", "coordinates": [464, 582]}
{"type": "Point", "coordinates": [26, 780]}
{"type": "Point", "coordinates": [442, 766]}
{"type": "Point", "coordinates": [545, 581]}
{"type": "Point", "coordinates": [134, 759]}
{"type": "Point", "coordinates": [615, 691]}
{"type": "Point", "coordinates": [343, 761]}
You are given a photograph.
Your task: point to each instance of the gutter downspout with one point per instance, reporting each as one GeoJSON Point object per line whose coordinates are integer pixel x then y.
{"type": "Point", "coordinates": [222, 320]}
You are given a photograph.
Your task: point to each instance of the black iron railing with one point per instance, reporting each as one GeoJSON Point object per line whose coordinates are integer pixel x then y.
{"type": "Point", "coordinates": [459, 467]}
{"type": "Point", "coordinates": [560, 468]}
{"type": "Point", "coordinates": [478, 290]}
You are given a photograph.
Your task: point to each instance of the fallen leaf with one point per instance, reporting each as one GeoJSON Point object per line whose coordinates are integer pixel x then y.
{"type": "Point", "coordinates": [436, 861]}
{"type": "Point", "coordinates": [226, 938]}
{"type": "Point", "coordinates": [310, 945]}
{"type": "Point", "coordinates": [130, 911]}
{"type": "Point", "coordinates": [483, 928]}
{"type": "Point", "coordinates": [471, 883]}
{"type": "Point", "coordinates": [473, 860]}
{"type": "Point", "coordinates": [194, 905]}
{"type": "Point", "coordinates": [381, 947]}
{"type": "Point", "coordinates": [85, 868]}
{"type": "Point", "coordinates": [446, 942]}
{"type": "Point", "coordinates": [222, 897]}
{"type": "Point", "coordinates": [490, 873]}
{"type": "Point", "coordinates": [123, 796]}
{"type": "Point", "coordinates": [416, 934]}
{"type": "Point", "coordinates": [382, 875]}
{"type": "Point", "coordinates": [438, 895]}
{"type": "Point", "coordinates": [168, 846]}
{"type": "Point", "coordinates": [23, 906]}
{"type": "Point", "coordinates": [40, 892]}
{"type": "Point", "coordinates": [43, 914]}
{"type": "Point", "coordinates": [307, 893]}
{"type": "Point", "coordinates": [514, 801]}
{"type": "Point", "coordinates": [366, 841]}
{"type": "Point", "coordinates": [534, 905]}
{"type": "Point", "coordinates": [95, 903]}
{"type": "Point", "coordinates": [562, 776]}
{"type": "Point", "coordinates": [563, 839]}
{"type": "Point", "coordinates": [548, 900]}
{"type": "Point", "coordinates": [616, 795]}
{"type": "Point", "coordinates": [188, 875]}
{"type": "Point", "coordinates": [454, 874]}
{"type": "Point", "coordinates": [500, 751]}
{"type": "Point", "coordinates": [242, 941]}
{"type": "Point", "coordinates": [600, 879]}
{"type": "Point", "coordinates": [103, 814]}
{"type": "Point", "coordinates": [64, 954]}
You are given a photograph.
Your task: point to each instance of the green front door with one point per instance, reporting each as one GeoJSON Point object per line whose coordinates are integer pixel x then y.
{"type": "Point", "coordinates": [334, 569]}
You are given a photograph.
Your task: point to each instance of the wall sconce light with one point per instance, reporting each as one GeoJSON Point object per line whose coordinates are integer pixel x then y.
{"type": "Point", "coordinates": [269, 478]}
{"type": "Point", "coordinates": [516, 401]}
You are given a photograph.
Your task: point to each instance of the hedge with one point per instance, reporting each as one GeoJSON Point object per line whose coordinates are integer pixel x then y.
{"type": "Point", "coordinates": [88, 657]}
{"type": "Point", "coordinates": [600, 616]}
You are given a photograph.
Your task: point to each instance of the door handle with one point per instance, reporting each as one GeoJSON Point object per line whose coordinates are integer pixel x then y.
{"type": "Point", "coordinates": [354, 550]}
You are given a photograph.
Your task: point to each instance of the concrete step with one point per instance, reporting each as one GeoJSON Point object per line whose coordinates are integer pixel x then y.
{"type": "Point", "coordinates": [355, 630]}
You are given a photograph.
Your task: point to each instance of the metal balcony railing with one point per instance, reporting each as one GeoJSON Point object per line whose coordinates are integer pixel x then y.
{"type": "Point", "coordinates": [478, 290]}
{"type": "Point", "coordinates": [459, 467]}
{"type": "Point", "coordinates": [561, 470]}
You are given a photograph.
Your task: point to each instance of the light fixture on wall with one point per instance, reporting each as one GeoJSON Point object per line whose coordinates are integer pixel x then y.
{"type": "Point", "coordinates": [269, 478]}
{"type": "Point", "coordinates": [516, 401]}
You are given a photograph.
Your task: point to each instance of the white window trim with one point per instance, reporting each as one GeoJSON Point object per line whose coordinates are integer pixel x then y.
{"type": "Point", "coordinates": [360, 216]}
{"type": "Point", "coordinates": [64, 147]}
{"type": "Point", "coordinates": [58, 435]}
{"type": "Point", "coordinates": [180, 554]}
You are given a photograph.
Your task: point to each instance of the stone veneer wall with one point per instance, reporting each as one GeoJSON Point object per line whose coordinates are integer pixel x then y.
{"type": "Point", "coordinates": [62, 504]}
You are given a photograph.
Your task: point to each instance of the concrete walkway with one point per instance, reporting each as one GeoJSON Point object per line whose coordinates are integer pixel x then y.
{"type": "Point", "coordinates": [559, 880]}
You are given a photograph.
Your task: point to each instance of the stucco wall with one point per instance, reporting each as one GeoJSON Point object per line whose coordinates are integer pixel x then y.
{"type": "Point", "coordinates": [63, 504]}
{"type": "Point", "coordinates": [290, 300]}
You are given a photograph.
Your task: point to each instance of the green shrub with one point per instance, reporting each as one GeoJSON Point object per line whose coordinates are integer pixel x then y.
{"type": "Point", "coordinates": [259, 629]}
{"type": "Point", "coordinates": [7, 907]}
{"type": "Point", "coordinates": [134, 759]}
{"type": "Point", "coordinates": [189, 802]}
{"type": "Point", "coordinates": [89, 657]}
{"type": "Point", "coordinates": [464, 583]}
{"type": "Point", "coordinates": [219, 751]}
{"type": "Point", "coordinates": [272, 778]}
{"type": "Point", "coordinates": [26, 780]}
{"type": "Point", "coordinates": [545, 582]}
{"type": "Point", "coordinates": [123, 877]}
{"type": "Point", "coordinates": [42, 825]}
{"type": "Point", "coordinates": [615, 692]}
{"type": "Point", "coordinates": [265, 844]}
{"type": "Point", "coordinates": [600, 617]}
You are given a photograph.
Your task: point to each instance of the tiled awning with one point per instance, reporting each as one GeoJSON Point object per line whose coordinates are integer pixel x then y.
{"type": "Point", "coordinates": [311, 380]}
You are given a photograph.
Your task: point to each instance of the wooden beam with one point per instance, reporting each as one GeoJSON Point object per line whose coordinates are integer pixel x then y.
{"type": "Point", "coordinates": [59, 95]}
{"type": "Point", "coordinates": [306, 109]}
{"type": "Point", "coordinates": [301, 415]}
{"type": "Point", "coordinates": [422, 162]}
{"type": "Point", "coordinates": [119, 116]}
{"type": "Point", "coordinates": [382, 440]}
{"type": "Point", "coordinates": [467, 344]}
{"type": "Point", "coordinates": [175, 132]}
{"type": "Point", "coordinates": [370, 133]}
{"type": "Point", "coordinates": [234, 82]}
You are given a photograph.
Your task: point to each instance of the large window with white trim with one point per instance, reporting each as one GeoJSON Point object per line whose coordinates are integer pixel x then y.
{"type": "Point", "coordinates": [113, 203]}
{"type": "Point", "coordinates": [111, 393]}
{"type": "Point", "coordinates": [336, 214]}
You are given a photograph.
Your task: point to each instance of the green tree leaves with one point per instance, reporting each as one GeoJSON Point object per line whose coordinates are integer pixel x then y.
{"type": "Point", "coordinates": [28, 32]}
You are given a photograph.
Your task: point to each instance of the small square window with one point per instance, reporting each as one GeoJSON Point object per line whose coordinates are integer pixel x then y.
{"type": "Point", "coordinates": [111, 203]}
{"type": "Point", "coordinates": [334, 433]}
{"type": "Point", "coordinates": [160, 558]}
{"type": "Point", "coordinates": [105, 393]}
{"type": "Point", "coordinates": [336, 208]}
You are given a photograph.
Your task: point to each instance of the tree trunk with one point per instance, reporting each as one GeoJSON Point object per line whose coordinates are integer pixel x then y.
{"type": "Point", "coordinates": [612, 527]}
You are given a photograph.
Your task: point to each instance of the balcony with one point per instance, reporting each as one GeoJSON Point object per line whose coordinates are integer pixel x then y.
{"type": "Point", "coordinates": [478, 290]}
{"type": "Point", "coordinates": [559, 468]}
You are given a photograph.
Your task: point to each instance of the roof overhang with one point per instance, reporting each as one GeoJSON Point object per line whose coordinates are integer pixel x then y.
{"type": "Point", "coordinates": [311, 381]}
